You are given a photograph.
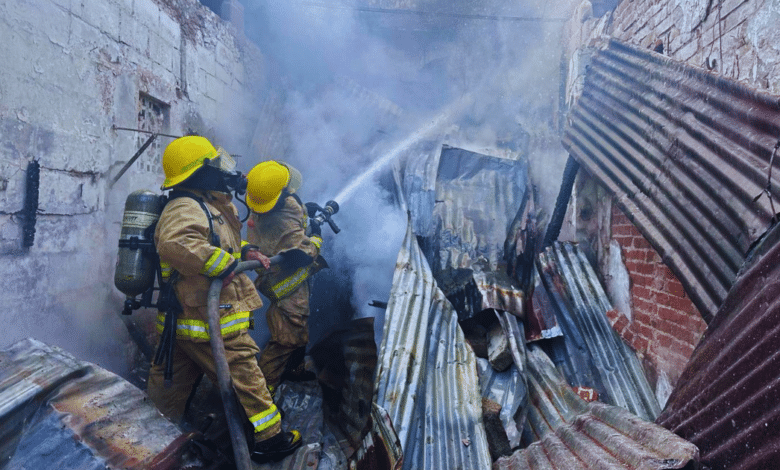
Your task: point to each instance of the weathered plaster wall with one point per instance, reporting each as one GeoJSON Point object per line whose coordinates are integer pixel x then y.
{"type": "Point", "coordinates": [72, 69]}
{"type": "Point", "coordinates": [738, 39]}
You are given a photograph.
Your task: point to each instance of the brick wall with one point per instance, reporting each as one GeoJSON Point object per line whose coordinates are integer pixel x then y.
{"type": "Point", "coordinates": [665, 325]}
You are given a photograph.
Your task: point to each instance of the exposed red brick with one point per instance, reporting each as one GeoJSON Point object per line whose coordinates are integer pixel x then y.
{"type": "Point", "coordinates": [674, 316]}
{"type": "Point", "coordinates": [640, 242]}
{"type": "Point", "coordinates": [645, 268]}
{"type": "Point", "coordinates": [664, 341]}
{"type": "Point", "coordinates": [640, 344]}
{"type": "Point", "coordinates": [620, 324]}
{"type": "Point", "coordinates": [612, 314]}
{"type": "Point", "coordinates": [683, 304]}
{"type": "Point", "coordinates": [644, 331]}
{"type": "Point", "coordinates": [652, 257]}
{"type": "Point", "coordinates": [628, 335]}
{"type": "Point", "coordinates": [623, 229]}
{"type": "Point", "coordinates": [686, 336]}
{"type": "Point", "coordinates": [634, 255]}
{"type": "Point", "coordinates": [666, 325]}
{"type": "Point", "coordinates": [642, 292]}
{"type": "Point", "coordinates": [675, 288]}
{"type": "Point", "coordinates": [642, 316]}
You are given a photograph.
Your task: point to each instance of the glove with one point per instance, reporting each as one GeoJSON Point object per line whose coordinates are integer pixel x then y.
{"type": "Point", "coordinates": [315, 230]}
{"type": "Point", "coordinates": [228, 279]}
{"type": "Point", "coordinates": [255, 255]}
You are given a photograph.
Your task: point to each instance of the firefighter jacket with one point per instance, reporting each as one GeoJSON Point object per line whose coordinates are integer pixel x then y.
{"type": "Point", "coordinates": [280, 229]}
{"type": "Point", "coordinates": [184, 243]}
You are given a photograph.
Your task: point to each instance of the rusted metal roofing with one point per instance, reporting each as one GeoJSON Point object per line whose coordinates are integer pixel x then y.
{"type": "Point", "coordinates": [541, 322]}
{"type": "Point", "coordinates": [426, 373]}
{"type": "Point", "coordinates": [380, 448]}
{"type": "Point", "coordinates": [58, 412]}
{"type": "Point", "coordinates": [472, 292]}
{"type": "Point", "coordinates": [726, 400]}
{"type": "Point", "coordinates": [684, 152]}
{"type": "Point", "coordinates": [570, 434]}
{"type": "Point", "coordinates": [595, 351]}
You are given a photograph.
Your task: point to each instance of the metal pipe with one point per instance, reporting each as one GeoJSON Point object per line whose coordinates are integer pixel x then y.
{"type": "Point", "coordinates": [133, 159]}
{"type": "Point", "coordinates": [142, 131]}
{"type": "Point", "coordinates": [562, 202]}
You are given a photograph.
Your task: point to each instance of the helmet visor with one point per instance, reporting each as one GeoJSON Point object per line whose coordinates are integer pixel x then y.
{"type": "Point", "coordinates": [223, 161]}
{"type": "Point", "coordinates": [295, 177]}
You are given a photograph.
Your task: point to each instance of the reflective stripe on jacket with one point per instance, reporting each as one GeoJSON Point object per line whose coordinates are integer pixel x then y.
{"type": "Point", "coordinates": [191, 329]}
{"type": "Point", "coordinates": [183, 243]}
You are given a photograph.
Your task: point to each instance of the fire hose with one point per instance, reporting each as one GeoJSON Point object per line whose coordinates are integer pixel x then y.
{"type": "Point", "coordinates": [291, 259]}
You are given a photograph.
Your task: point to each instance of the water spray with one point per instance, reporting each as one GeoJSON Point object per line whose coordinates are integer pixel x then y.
{"type": "Point", "coordinates": [435, 124]}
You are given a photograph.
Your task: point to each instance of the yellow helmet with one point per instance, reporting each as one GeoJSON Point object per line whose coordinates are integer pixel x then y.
{"type": "Point", "coordinates": [265, 183]}
{"type": "Point", "coordinates": [183, 156]}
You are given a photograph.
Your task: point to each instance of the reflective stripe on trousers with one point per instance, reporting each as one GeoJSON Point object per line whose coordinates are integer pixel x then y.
{"type": "Point", "coordinates": [266, 419]}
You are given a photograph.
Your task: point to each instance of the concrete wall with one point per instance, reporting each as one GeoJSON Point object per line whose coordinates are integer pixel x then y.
{"type": "Point", "coordinates": [738, 39]}
{"type": "Point", "coordinates": [72, 70]}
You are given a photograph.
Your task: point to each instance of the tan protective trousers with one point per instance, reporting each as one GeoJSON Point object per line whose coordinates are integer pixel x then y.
{"type": "Point", "coordinates": [288, 323]}
{"type": "Point", "coordinates": [191, 359]}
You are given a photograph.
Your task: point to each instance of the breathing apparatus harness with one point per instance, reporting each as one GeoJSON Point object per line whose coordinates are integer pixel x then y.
{"type": "Point", "coordinates": [138, 263]}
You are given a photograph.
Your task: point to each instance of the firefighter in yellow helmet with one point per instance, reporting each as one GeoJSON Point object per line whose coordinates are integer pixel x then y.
{"type": "Point", "coordinates": [278, 223]}
{"type": "Point", "coordinates": [198, 239]}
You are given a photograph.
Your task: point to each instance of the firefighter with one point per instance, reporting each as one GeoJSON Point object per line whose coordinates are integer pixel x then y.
{"type": "Point", "coordinates": [278, 223]}
{"type": "Point", "coordinates": [198, 239]}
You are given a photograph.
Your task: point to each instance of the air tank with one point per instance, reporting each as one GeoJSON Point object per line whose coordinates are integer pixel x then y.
{"type": "Point", "coordinates": [137, 259]}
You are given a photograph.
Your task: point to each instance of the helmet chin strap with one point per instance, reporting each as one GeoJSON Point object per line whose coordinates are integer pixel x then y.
{"type": "Point", "coordinates": [248, 211]}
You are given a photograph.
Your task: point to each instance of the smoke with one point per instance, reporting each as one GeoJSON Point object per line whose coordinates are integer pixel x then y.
{"type": "Point", "coordinates": [357, 84]}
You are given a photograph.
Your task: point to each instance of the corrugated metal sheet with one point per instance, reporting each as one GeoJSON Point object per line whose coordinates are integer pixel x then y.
{"type": "Point", "coordinates": [508, 389]}
{"type": "Point", "coordinates": [581, 305]}
{"type": "Point", "coordinates": [727, 400]}
{"type": "Point", "coordinates": [541, 322]}
{"type": "Point", "coordinates": [381, 449]}
{"type": "Point", "coordinates": [472, 292]}
{"type": "Point", "coordinates": [477, 197]}
{"type": "Point", "coordinates": [684, 152]}
{"type": "Point", "coordinates": [571, 434]}
{"type": "Point", "coordinates": [426, 373]}
{"type": "Point", "coordinates": [57, 412]}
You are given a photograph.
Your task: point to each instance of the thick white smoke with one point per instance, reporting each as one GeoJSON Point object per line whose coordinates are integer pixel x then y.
{"type": "Point", "coordinates": [355, 81]}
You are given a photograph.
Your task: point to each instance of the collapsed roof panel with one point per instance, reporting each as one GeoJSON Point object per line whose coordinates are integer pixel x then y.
{"type": "Point", "coordinates": [726, 401]}
{"type": "Point", "coordinates": [61, 413]}
{"type": "Point", "coordinates": [570, 433]}
{"type": "Point", "coordinates": [477, 197]}
{"type": "Point", "coordinates": [684, 152]}
{"type": "Point", "coordinates": [426, 373]}
{"type": "Point", "coordinates": [581, 305]}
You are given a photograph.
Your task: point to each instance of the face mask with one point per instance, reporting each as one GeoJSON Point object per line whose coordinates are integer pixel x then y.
{"type": "Point", "coordinates": [236, 181]}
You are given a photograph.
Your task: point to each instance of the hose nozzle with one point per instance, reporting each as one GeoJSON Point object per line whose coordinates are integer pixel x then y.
{"type": "Point", "coordinates": [319, 215]}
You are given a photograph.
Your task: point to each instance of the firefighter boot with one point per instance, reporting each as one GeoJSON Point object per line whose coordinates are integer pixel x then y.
{"type": "Point", "coordinates": [277, 447]}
